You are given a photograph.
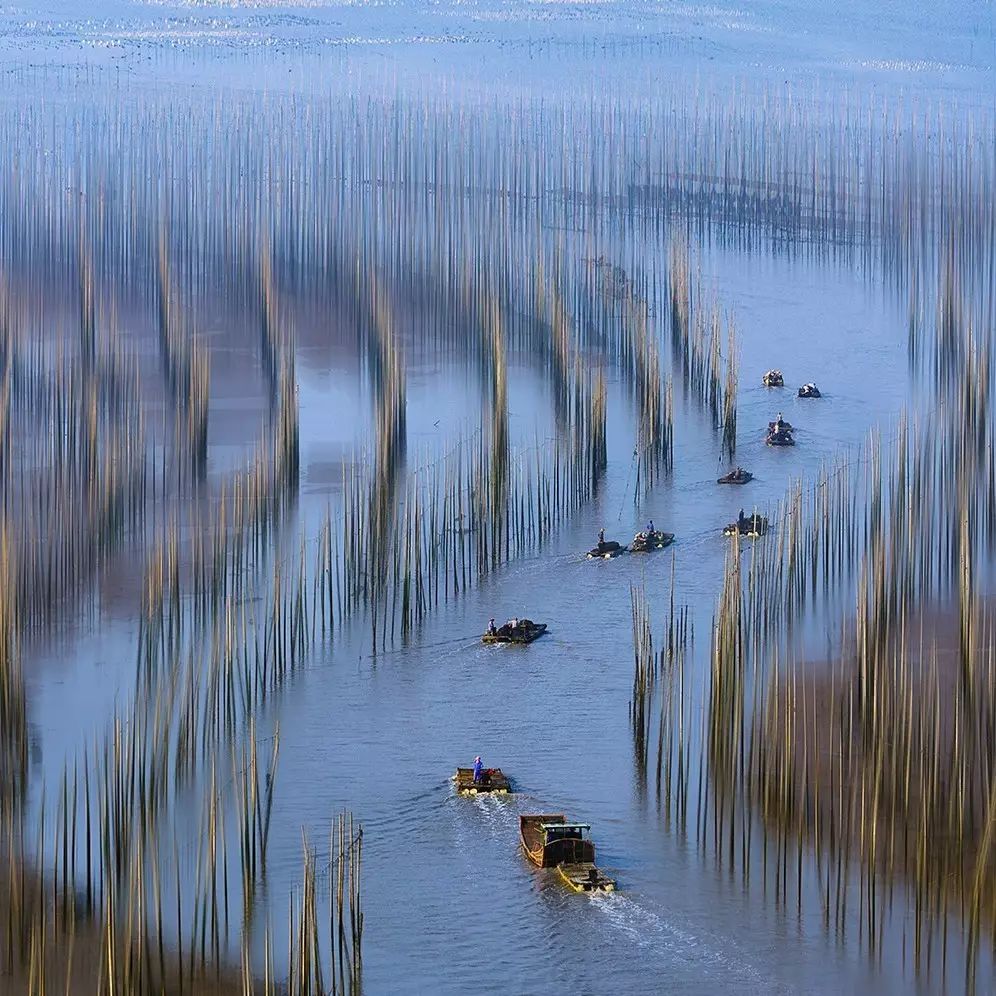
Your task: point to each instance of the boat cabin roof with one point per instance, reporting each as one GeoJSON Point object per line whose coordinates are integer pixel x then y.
{"type": "Point", "coordinates": [562, 827]}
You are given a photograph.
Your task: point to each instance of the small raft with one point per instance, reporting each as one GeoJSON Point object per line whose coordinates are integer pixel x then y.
{"type": "Point", "coordinates": [773, 378]}
{"type": "Point", "coordinates": [809, 391]}
{"type": "Point", "coordinates": [650, 540]}
{"type": "Point", "coordinates": [493, 782]}
{"type": "Point", "coordinates": [738, 476]}
{"type": "Point", "coordinates": [606, 550]}
{"type": "Point", "coordinates": [516, 631]}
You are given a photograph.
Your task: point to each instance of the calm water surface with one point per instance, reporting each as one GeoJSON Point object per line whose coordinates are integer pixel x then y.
{"type": "Point", "coordinates": [451, 905]}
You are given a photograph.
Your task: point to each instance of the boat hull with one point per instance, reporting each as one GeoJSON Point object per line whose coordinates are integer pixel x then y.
{"type": "Point", "coordinates": [605, 551]}
{"type": "Point", "coordinates": [550, 854]}
{"type": "Point", "coordinates": [527, 636]}
{"type": "Point", "coordinates": [585, 877]}
{"type": "Point", "coordinates": [659, 542]}
{"type": "Point", "coordinates": [531, 835]}
{"type": "Point", "coordinates": [493, 782]}
{"type": "Point", "coordinates": [753, 528]}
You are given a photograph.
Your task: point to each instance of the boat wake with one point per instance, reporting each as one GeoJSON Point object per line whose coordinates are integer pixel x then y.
{"type": "Point", "coordinates": [648, 929]}
{"type": "Point", "coordinates": [495, 812]}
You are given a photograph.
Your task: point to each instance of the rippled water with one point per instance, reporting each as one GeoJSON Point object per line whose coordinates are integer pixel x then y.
{"type": "Point", "coordinates": [451, 905]}
{"type": "Point", "coordinates": [942, 50]}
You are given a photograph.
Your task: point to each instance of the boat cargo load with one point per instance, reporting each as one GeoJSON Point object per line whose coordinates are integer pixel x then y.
{"type": "Point", "coordinates": [515, 631]}
{"type": "Point", "coordinates": [492, 782]}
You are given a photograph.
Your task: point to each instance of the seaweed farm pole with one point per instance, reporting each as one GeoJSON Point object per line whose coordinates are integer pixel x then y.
{"type": "Point", "coordinates": [730, 394]}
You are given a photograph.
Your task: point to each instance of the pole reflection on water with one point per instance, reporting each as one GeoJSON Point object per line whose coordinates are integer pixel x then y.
{"type": "Point", "coordinates": [301, 384]}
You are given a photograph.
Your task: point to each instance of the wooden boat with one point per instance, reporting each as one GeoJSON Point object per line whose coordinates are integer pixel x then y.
{"type": "Point", "coordinates": [551, 842]}
{"type": "Point", "coordinates": [751, 526]}
{"type": "Point", "coordinates": [585, 877]}
{"type": "Point", "coordinates": [606, 550]}
{"type": "Point", "coordinates": [738, 476]}
{"type": "Point", "coordinates": [773, 378]}
{"type": "Point", "coordinates": [493, 782]}
{"type": "Point", "coordinates": [650, 540]}
{"type": "Point", "coordinates": [516, 631]}
{"type": "Point", "coordinates": [809, 391]}
{"type": "Point", "coordinates": [779, 437]}
{"type": "Point", "coordinates": [548, 839]}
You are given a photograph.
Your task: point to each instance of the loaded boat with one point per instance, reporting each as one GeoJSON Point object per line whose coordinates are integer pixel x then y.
{"type": "Point", "coordinates": [779, 433]}
{"type": "Point", "coordinates": [650, 539]}
{"type": "Point", "coordinates": [738, 476]}
{"type": "Point", "coordinates": [780, 437]}
{"type": "Point", "coordinates": [605, 549]}
{"type": "Point", "coordinates": [492, 781]}
{"type": "Point", "coordinates": [551, 842]}
{"type": "Point", "coordinates": [514, 631]}
{"type": "Point", "coordinates": [773, 378]}
{"type": "Point", "coordinates": [809, 391]}
{"type": "Point", "coordinates": [751, 526]}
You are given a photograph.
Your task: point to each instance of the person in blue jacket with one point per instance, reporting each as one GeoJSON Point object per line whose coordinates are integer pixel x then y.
{"type": "Point", "coordinates": [478, 769]}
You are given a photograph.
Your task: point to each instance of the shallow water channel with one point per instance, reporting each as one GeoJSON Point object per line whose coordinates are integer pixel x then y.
{"type": "Point", "coordinates": [451, 905]}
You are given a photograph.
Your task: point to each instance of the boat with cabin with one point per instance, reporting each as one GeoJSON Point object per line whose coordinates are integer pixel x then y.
{"type": "Point", "coordinates": [550, 841]}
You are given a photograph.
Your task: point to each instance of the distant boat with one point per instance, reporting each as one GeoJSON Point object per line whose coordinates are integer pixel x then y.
{"type": "Point", "coordinates": [515, 631]}
{"type": "Point", "coordinates": [493, 782]}
{"type": "Point", "coordinates": [650, 540]}
{"type": "Point", "coordinates": [751, 526]}
{"type": "Point", "coordinates": [551, 842]}
{"type": "Point", "coordinates": [738, 476]}
{"type": "Point", "coordinates": [773, 378]}
{"type": "Point", "coordinates": [809, 391]}
{"type": "Point", "coordinates": [605, 550]}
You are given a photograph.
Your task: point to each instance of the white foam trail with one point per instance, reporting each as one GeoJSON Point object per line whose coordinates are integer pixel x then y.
{"type": "Point", "coordinates": [495, 813]}
{"type": "Point", "coordinates": [648, 929]}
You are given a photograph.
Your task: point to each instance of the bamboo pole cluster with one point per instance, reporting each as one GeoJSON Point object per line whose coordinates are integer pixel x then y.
{"type": "Point", "coordinates": [696, 340]}
{"type": "Point", "coordinates": [659, 680]}
{"type": "Point", "coordinates": [872, 772]}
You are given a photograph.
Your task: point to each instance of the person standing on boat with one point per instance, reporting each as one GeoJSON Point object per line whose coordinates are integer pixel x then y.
{"type": "Point", "coordinates": [650, 528]}
{"type": "Point", "coordinates": [492, 629]}
{"type": "Point", "coordinates": [601, 536]}
{"type": "Point", "coordinates": [478, 769]}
